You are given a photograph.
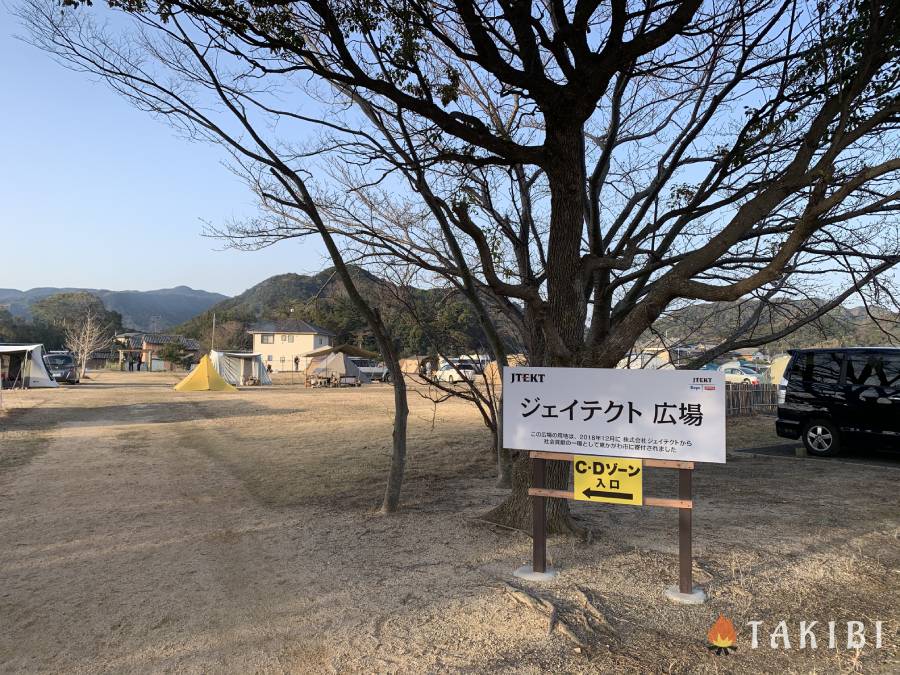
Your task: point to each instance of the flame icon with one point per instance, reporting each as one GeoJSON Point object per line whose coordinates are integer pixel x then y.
{"type": "Point", "coordinates": [722, 636]}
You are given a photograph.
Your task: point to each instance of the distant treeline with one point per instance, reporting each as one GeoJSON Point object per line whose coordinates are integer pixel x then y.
{"type": "Point", "coordinates": [421, 321]}
{"type": "Point", "coordinates": [51, 315]}
{"type": "Point", "coordinates": [424, 321]}
{"type": "Point", "coordinates": [711, 323]}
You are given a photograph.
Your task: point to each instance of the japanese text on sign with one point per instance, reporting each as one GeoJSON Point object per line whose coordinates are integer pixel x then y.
{"type": "Point", "coordinates": [658, 414]}
{"type": "Point", "coordinates": [688, 413]}
{"type": "Point", "coordinates": [613, 480]}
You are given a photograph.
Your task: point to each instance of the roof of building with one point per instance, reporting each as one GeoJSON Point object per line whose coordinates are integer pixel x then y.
{"type": "Point", "coordinates": [289, 326]}
{"type": "Point", "coordinates": [138, 340]}
{"type": "Point", "coordinates": [105, 354]}
{"type": "Point", "coordinates": [746, 351]}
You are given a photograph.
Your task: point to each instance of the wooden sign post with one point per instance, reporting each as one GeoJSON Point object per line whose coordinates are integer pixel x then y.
{"type": "Point", "coordinates": [611, 424]}
{"type": "Point", "coordinates": [684, 504]}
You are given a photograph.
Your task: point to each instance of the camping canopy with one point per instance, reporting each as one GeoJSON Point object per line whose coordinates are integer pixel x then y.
{"type": "Point", "coordinates": [413, 365]}
{"type": "Point", "coordinates": [349, 350]}
{"type": "Point", "coordinates": [240, 368]}
{"type": "Point", "coordinates": [204, 378]}
{"type": "Point", "coordinates": [335, 365]}
{"type": "Point", "coordinates": [23, 366]}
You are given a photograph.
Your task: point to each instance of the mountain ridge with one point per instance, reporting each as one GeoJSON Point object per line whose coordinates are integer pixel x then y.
{"type": "Point", "coordinates": [157, 309]}
{"type": "Point", "coordinates": [321, 299]}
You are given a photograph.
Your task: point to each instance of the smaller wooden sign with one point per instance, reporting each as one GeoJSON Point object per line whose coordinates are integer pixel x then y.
{"type": "Point", "coordinates": [611, 480]}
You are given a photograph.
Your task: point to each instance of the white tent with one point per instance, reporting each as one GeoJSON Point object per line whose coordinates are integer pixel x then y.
{"type": "Point", "coordinates": [335, 366]}
{"type": "Point", "coordinates": [23, 366]}
{"type": "Point", "coordinates": [240, 368]}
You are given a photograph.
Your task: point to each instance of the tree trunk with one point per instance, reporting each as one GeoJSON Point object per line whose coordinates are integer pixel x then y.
{"type": "Point", "coordinates": [504, 458]}
{"type": "Point", "coordinates": [398, 455]}
{"type": "Point", "coordinates": [516, 510]}
{"type": "Point", "coordinates": [567, 308]}
{"type": "Point", "coordinates": [565, 286]}
{"type": "Point", "coordinates": [305, 202]}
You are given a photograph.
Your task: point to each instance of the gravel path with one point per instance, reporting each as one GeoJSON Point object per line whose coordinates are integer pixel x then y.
{"type": "Point", "coordinates": [144, 530]}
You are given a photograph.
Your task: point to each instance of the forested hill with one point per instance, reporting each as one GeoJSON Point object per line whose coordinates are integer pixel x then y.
{"type": "Point", "coordinates": [710, 323]}
{"type": "Point", "coordinates": [322, 300]}
{"type": "Point", "coordinates": [156, 310]}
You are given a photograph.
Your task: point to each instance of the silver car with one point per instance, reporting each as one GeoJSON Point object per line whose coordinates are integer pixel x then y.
{"type": "Point", "coordinates": [62, 367]}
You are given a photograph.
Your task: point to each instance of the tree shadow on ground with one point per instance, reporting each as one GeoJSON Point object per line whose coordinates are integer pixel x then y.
{"type": "Point", "coordinates": [158, 412]}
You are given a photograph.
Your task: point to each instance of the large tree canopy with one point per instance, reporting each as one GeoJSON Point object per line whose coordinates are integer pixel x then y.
{"type": "Point", "coordinates": [653, 153]}
{"type": "Point", "coordinates": [585, 166]}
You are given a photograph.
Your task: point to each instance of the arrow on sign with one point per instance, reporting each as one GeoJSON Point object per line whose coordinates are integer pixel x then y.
{"type": "Point", "coordinates": [609, 495]}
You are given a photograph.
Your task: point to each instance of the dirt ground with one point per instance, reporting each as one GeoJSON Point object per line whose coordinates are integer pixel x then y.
{"type": "Point", "coordinates": [148, 530]}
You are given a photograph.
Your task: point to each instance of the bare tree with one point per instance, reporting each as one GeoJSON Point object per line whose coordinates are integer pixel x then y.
{"type": "Point", "coordinates": [161, 68]}
{"type": "Point", "coordinates": [586, 166]}
{"type": "Point", "coordinates": [302, 200]}
{"type": "Point", "coordinates": [87, 336]}
{"type": "Point", "coordinates": [483, 389]}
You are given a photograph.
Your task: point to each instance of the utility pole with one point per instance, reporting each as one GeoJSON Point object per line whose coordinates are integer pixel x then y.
{"type": "Point", "coordinates": [212, 341]}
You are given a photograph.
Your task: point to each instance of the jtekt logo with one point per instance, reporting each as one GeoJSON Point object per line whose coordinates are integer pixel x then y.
{"type": "Point", "coordinates": [528, 377]}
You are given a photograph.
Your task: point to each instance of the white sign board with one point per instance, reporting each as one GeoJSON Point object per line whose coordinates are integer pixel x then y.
{"type": "Point", "coordinates": [652, 414]}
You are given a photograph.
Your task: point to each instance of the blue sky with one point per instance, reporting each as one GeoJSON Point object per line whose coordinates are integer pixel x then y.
{"type": "Point", "coordinates": [113, 197]}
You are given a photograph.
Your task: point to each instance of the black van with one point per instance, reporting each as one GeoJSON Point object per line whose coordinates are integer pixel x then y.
{"type": "Point", "coordinates": [828, 395]}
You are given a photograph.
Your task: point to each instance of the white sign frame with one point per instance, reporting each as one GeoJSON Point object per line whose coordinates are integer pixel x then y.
{"type": "Point", "coordinates": [603, 423]}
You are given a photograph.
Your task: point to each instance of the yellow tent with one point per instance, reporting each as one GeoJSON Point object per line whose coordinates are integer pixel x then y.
{"type": "Point", "coordinates": [204, 378]}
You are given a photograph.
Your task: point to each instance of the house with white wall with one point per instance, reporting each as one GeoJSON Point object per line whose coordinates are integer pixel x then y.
{"type": "Point", "coordinates": [284, 344]}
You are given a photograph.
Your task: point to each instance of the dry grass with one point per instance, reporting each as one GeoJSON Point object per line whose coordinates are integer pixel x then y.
{"type": "Point", "coordinates": [753, 432]}
{"type": "Point", "coordinates": [151, 530]}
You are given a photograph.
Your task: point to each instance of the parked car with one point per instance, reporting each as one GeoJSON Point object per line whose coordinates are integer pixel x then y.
{"type": "Point", "coordinates": [456, 373]}
{"type": "Point", "coordinates": [375, 371]}
{"type": "Point", "coordinates": [829, 395]}
{"type": "Point", "coordinates": [735, 375]}
{"type": "Point", "coordinates": [62, 367]}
